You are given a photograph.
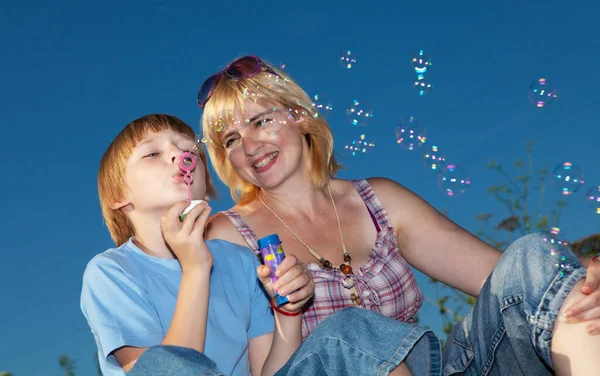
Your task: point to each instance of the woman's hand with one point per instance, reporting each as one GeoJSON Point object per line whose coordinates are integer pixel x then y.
{"type": "Point", "coordinates": [294, 281]}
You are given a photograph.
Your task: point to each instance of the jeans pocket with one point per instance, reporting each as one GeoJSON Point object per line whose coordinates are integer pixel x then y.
{"type": "Point", "coordinates": [458, 352]}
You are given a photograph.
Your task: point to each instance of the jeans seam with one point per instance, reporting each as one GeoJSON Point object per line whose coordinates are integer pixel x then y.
{"type": "Point", "coordinates": [494, 345]}
{"type": "Point", "coordinates": [557, 284]}
{"type": "Point", "coordinates": [412, 337]}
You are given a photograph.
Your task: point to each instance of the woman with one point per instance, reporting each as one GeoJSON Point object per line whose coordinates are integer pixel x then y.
{"type": "Point", "coordinates": [359, 238]}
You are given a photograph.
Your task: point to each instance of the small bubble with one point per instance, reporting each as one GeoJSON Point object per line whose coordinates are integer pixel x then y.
{"type": "Point", "coordinates": [541, 92]}
{"type": "Point", "coordinates": [420, 62]}
{"type": "Point", "coordinates": [410, 133]}
{"type": "Point", "coordinates": [567, 178]}
{"type": "Point", "coordinates": [347, 60]}
{"type": "Point", "coordinates": [359, 146]}
{"type": "Point", "coordinates": [422, 85]}
{"type": "Point", "coordinates": [322, 104]}
{"type": "Point", "coordinates": [453, 180]}
{"type": "Point", "coordinates": [359, 113]}
{"type": "Point", "coordinates": [592, 199]}
{"type": "Point", "coordinates": [433, 157]}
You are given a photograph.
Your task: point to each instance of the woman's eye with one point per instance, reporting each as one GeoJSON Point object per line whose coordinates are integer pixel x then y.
{"type": "Point", "coordinates": [263, 122]}
{"type": "Point", "coordinates": [153, 154]}
{"type": "Point", "coordinates": [229, 142]}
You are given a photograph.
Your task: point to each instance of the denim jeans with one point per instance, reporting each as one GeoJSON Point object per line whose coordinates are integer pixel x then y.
{"type": "Point", "coordinates": [509, 330]}
{"type": "Point", "coordinates": [353, 341]}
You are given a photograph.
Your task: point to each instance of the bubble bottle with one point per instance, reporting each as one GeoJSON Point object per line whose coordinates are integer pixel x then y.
{"type": "Point", "coordinates": [272, 254]}
{"type": "Point", "coordinates": [187, 163]}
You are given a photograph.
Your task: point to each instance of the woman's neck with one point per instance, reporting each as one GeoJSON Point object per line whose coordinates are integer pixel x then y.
{"type": "Point", "coordinates": [304, 200]}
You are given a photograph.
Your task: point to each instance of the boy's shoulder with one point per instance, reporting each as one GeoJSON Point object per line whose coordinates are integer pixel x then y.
{"type": "Point", "coordinates": [121, 260]}
{"type": "Point", "coordinates": [230, 252]}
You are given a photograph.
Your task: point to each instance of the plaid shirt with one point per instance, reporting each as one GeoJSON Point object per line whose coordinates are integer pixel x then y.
{"type": "Point", "coordinates": [385, 283]}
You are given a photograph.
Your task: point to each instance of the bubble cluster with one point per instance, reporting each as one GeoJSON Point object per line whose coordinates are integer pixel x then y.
{"type": "Point", "coordinates": [434, 159]}
{"type": "Point", "coordinates": [322, 104]}
{"type": "Point", "coordinates": [410, 133]}
{"type": "Point", "coordinates": [422, 85]}
{"type": "Point", "coordinates": [453, 180]}
{"type": "Point", "coordinates": [361, 145]}
{"type": "Point", "coordinates": [592, 199]}
{"type": "Point", "coordinates": [359, 113]}
{"type": "Point", "coordinates": [542, 92]}
{"type": "Point", "coordinates": [420, 62]}
{"type": "Point", "coordinates": [567, 178]}
{"type": "Point", "coordinates": [347, 60]}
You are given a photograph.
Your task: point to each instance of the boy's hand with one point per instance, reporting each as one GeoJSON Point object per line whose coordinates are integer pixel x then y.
{"type": "Point", "coordinates": [292, 276]}
{"type": "Point", "coordinates": [186, 238]}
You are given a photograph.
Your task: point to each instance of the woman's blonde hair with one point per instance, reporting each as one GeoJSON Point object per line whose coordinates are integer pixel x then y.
{"type": "Point", "coordinates": [269, 87]}
{"type": "Point", "coordinates": [111, 174]}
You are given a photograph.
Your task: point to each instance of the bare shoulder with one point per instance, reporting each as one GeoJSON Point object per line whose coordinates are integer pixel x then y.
{"type": "Point", "coordinates": [220, 227]}
{"type": "Point", "coordinates": [387, 189]}
{"type": "Point", "coordinates": [399, 202]}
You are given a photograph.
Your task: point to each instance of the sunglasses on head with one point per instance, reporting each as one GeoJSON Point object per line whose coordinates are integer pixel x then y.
{"type": "Point", "coordinates": [239, 69]}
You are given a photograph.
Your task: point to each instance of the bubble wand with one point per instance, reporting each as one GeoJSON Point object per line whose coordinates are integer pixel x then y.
{"type": "Point", "coordinates": [187, 163]}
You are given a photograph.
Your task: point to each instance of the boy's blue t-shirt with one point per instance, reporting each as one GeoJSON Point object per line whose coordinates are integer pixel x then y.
{"type": "Point", "coordinates": [128, 298]}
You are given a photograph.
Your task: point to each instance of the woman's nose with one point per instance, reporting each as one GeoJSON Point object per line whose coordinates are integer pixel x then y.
{"type": "Point", "coordinates": [251, 146]}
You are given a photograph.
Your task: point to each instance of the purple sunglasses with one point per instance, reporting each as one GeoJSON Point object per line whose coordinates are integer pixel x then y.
{"type": "Point", "coordinates": [244, 67]}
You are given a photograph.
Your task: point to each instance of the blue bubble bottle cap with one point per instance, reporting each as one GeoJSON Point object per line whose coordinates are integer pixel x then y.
{"type": "Point", "coordinates": [281, 299]}
{"type": "Point", "coordinates": [268, 240]}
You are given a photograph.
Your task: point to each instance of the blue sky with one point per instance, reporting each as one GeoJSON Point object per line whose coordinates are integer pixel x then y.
{"type": "Point", "coordinates": [74, 73]}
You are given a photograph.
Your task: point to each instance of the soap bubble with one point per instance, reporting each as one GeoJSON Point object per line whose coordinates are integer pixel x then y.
{"type": "Point", "coordinates": [453, 180]}
{"type": "Point", "coordinates": [410, 133]}
{"type": "Point", "coordinates": [359, 113]}
{"type": "Point", "coordinates": [347, 60]}
{"type": "Point", "coordinates": [434, 159]}
{"type": "Point", "coordinates": [556, 243]}
{"type": "Point", "coordinates": [592, 199]}
{"type": "Point", "coordinates": [567, 178]}
{"type": "Point", "coordinates": [542, 92]}
{"type": "Point", "coordinates": [422, 85]}
{"type": "Point", "coordinates": [361, 145]}
{"type": "Point", "coordinates": [322, 104]}
{"type": "Point", "coordinates": [420, 62]}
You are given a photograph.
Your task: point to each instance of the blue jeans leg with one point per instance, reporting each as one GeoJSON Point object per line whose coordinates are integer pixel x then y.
{"type": "Point", "coordinates": [173, 360]}
{"type": "Point", "coordinates": [509, 330]}
{"type": "Point", "coordinates": [360, 342]}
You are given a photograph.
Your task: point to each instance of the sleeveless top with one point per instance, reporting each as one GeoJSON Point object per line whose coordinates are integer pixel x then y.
{"type": "Point", "coordinates": [385, 283]}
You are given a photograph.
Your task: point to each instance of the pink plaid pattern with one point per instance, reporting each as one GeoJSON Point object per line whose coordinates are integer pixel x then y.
{"type": "Point", "coordinates": [385, 283]}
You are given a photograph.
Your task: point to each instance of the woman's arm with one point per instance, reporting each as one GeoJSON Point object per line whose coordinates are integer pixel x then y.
{"type": "Point", "coordinates": [432, 243]}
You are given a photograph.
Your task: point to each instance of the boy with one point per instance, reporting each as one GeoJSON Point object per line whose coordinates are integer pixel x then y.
{"type": "Point", "coordinates": [164, 285]}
